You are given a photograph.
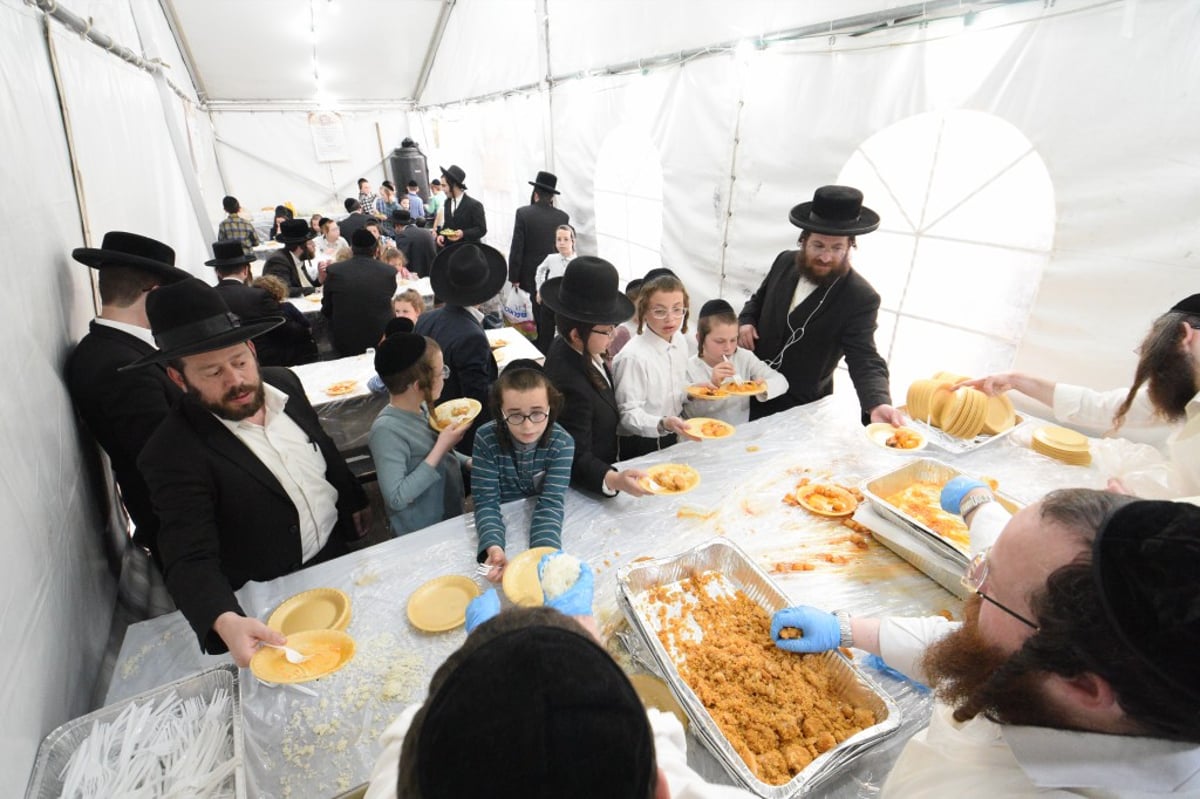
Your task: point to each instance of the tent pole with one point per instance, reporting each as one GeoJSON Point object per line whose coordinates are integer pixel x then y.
{"type": "Point", "coordinates": [543, 30]}
{"type": "Point", "coordinates": [185, 50]}
{"type": "Point", "coordinates": [431, 52]}
{"type": "Point", "coordinates": [733, 156]}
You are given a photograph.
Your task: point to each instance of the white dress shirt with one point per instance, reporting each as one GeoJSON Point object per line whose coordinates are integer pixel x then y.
{"type": "Point", "coordinates": [142, 333]}
{"type": "Point", "coordinates": [298, 465]}
{"type": "Point", "coordinates": [735, 410]}
{"type": "Point", "coordinates": [650, 377]}
{"type": "Point", "coordinates": [804, 287]}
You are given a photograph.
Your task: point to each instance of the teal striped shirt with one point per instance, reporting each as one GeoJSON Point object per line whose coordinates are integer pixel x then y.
{"type": "Point", "coordinates": [498, 477]}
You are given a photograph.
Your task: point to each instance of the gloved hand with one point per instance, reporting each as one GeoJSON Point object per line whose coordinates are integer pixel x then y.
{"type": "Point", "coordinates": [482, 608]}
{"type": "Point", "coordinates": [820, 630]}
{"type": "Point", "coordinates": [955, 491]}
{"type": "Point", "coordinates": [576, 600]}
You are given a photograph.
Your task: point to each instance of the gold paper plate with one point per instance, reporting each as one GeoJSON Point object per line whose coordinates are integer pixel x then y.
{"type": "Point", "coordinates": [520, 580]}
{"type": "Point", "coordinates": [318, 609]}
{"type": "Point", "coordinates": [746, 388]}
{"type": "Point", "coordinates": [327, 650]}
{"type": "Point", "coordinates": [685, 476]}
{"type": "Point", "coordinates": [705, 427]}
{"type": "Point", "coordinates": [441, 603]}
{"type": "Point", "coordinates": [880, 432]}
{"type": "Point", "coordinates": [815, 498]}
{"type": "Point", "coordinates": [443, 414]}
{"type": "Point", "coordinates": [702, 392]}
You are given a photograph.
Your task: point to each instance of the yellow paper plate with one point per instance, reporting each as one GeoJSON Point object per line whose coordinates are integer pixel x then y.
{"type": "Point", "coordinates": [670, 478]}
{"type": "Point", "coordinates": [520, 580]}
{"type": "Point", "coordinates": [1001, 415]}
{"type": "Point", "coordinates": [880, 433]}
{"type": "Point", "coordinates": [746, 388]}
{"type": "Point", "coordinates": [701, 392]}
{"type": "Point", "coordinates": [705, 427]}
{"type": "Point", "coordinates": [341, 387]}
{"type": "Point", "coordinates": [826, 499]}
{"type": "Point", "coordinates": [441, 603]}
{"type": "Point", "coordinates": [463, 408]}
{"type": "Point", "coordinates": [327, 650]}
{"type": "Point", "coordinates": [318, 609]}
{"type": "Point", "coordinates": [654, 693]}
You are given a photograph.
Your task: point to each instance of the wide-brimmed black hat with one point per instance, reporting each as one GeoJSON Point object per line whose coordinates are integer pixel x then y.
{"type": "Point", "coordinates": [402, 215]}
{"type": "Point", "coordinates": [190, 317]}
{"type": "Point", "coordinates": [1188, 305]}
{"type": "Point", "coordinates": [1144, 561]}
{"type": "Point", "coordinates": [589, 291]}
{"type": "Point", "coordinates": [835, 211]}
{"type": "Point", "coordinates": [468, 274]}
{"type": "Point", "coordinates": [455, 173]}
{"type": "Point", "coordinates": [137, 252]}
{"type": "Point", "coordinates": [229, 252]}
{"type": "Point", "coordinates": [546, 181]}
{"type": "Point", "coordinates": [295, 231]}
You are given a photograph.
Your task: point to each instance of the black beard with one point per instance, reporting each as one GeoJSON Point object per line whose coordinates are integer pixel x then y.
{"type": "Point", "coordinates": [1172, 383]}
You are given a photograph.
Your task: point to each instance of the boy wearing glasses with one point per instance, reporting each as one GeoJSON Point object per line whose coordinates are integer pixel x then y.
{"type": "Point", "coordinates": [1073, 671]}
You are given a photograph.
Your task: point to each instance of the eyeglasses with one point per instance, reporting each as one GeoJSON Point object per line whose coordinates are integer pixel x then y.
{"type": "Point", "coordinates": [666, 313]}
{"type": "Point", "coordinates": [608, 333]}
{"type": "Point", "coordinates": [515, 419]}
{"type": "Point", "coordinates": [445, 372]}
{"type": "Point", "coordinates": [975, 576]}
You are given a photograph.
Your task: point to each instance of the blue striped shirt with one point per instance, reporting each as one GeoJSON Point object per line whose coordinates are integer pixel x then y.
{"type": "Point", "coordinates": [498, 477]}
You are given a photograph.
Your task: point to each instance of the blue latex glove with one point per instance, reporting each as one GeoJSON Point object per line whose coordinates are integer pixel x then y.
{"type": "Point", "coordinates": [820, 629]}
{"type": "Point", "coordinates": [576, 600]}
{"type": "Point", "coordinates": [955, 491]}
{"type": "Point", "coordinates": [482, 608]}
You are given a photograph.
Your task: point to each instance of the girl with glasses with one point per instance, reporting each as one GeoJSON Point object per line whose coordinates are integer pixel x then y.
{"type": "Point", "coordinates": [720, 359]}
{"type": "Point", "coordinates": [522, 452]}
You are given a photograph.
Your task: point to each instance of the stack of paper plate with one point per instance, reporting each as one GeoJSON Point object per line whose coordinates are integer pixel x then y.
{"type": "Point", "coordinates": [924, 396]}
{"type": "Point", "coordinates": [964, 415]}
{"type": "Point", "coordinates": [1000, 415]}
{"type": "Point", "coordinates": [1062, 444]}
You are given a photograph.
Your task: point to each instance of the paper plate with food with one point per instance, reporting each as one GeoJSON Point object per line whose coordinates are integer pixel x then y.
{"type": "Point", "coordinates": [826, 499]}
{"type": "Point", "coordinates": [744, 388]}
{"type": "Point", "coordinates": [706, 392]}
{"type": "Point", "coordinates": [705, 427]}
{"type": "Point", "coordinates": [323, 652]}
{"type": "Point", "coordinates": [520, 581]}
{"type": "Point", "coordinates": [670, 478]}
{"type": "Point", "coordinates": [463, 409]}
{"type": "Point", "coordinates": [341, 388]}
{"type": "Point", "coordinates": [896, 439]}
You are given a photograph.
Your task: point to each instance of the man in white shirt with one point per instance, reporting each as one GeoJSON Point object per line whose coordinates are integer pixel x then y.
{"type": "Point", "coordinates": [1073, 673]}
{"type": "Point", "coordinates": [244, 480]}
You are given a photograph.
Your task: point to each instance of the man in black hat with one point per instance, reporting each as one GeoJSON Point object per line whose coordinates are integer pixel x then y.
{"type": "Point", "coordinates": [463, 219]}
{"type": "Point", "coordinates": [415, 242]}
{"type": "Point", "coordinates": [287, 345]}
{"type": "Point", "coordinates": [294, 263]}
{"type": "Point", "coordinates": [357, 296]}
{"type": "Point", "coordinates": [463, 277]}
{"type": "Point", "coordinates": [813, 308]}
{"type": "Point", "coordinates": [234, 227]}
{"type": "Point", "coordinates": [1073, 672]}
{"type": "Point", "coordinates": [534, 229]}
{"type": "Point", "coordinates": [246, 483]}
{"type": "Point", "coordinates": [122, 409]}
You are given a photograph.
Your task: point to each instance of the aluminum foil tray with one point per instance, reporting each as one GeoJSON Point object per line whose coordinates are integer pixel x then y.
{"type": "Point", "coordinates": [944, 441]}
{"type": "Point", "coordinates": [61, 743]}
{"type": "Point", "coordinates": [740, 572]}
{"type": "Point", "coordinates": [922, 470]}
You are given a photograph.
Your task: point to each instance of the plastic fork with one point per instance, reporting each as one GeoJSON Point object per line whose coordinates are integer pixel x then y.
{"type": "Point", "coordinates": [292, 655]}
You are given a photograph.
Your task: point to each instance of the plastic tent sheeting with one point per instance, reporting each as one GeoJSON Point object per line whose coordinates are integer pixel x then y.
{"type": "Point", "coordinates": [55, 592]}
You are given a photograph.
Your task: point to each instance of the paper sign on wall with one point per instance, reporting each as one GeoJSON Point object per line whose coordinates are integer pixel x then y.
{"type": "Point", "coordinates": [328, 135]}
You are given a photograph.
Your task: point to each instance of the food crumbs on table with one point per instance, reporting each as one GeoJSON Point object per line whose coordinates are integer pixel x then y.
{"type": "Point", "coordinates": [752, 448]}
{"type": "Point", "coordinates": [945, 614]}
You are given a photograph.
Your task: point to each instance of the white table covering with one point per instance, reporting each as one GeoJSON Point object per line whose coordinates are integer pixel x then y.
{"type": "Point", "coordinates": [515, 346]}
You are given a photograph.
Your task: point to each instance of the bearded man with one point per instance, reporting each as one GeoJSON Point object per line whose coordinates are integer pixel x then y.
{"type": "Point", "coordinates": [244, 480]}
{"type": "Point", "coordinates": [1161, 407]}
{"type": "Point", "coordinates": [813, 308]}
{"type": "Point", "coordinates": [1073, 673]}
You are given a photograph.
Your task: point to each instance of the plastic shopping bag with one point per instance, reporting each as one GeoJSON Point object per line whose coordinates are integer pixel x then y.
{"type": "Point", "coordinates": [518, 311]}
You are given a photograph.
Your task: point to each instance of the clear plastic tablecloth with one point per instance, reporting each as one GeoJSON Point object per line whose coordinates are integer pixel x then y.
{"type": "Point", "coordinates": [300, 745]}
{"type": "Point", "coordinates": [509, 344]}
{"type": "Point", "coordinates": [346, 417]}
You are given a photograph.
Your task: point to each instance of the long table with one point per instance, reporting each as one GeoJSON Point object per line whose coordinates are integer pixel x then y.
{"type": "Point", "coordinates": [300, 745]}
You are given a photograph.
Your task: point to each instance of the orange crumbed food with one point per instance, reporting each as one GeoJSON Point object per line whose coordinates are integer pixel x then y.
{"type": "Point", "coordinates": [904, 438]}
{"type": "Point", "coordinates": [778, 710]}
{"type": "Point", "coordinates": [922, 501]}
{"type": "Point", "coordinates": [826, 498]}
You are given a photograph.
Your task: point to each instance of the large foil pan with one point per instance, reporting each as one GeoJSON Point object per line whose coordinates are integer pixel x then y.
{"type": "Point", "coordinates": [57, 747]}
{"type": "Point", "coordinates": [923, 545]}
{"type": "Point", "coordinates": [740, 572]}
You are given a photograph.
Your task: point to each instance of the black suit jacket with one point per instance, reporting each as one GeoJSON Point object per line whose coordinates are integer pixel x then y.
{"type": "Point", "coordinates": [841, 320]}
{"type": "Point", "coordinates": [225, 518]}
{"type": "Point", "coordinates": [287, 345]}
{"type": "Point", "coordinates": [357, 298]}
{"type": "Point", "coordinates": [121, 410]}
{"type": "Point", "coordinates": [589, 414]}
{"type": "Point", "coordinates": [352, 223]}
{"type": "Point", "coordinates": [466, 351]}
{"type": "Point", "coordinates": [281, 265]}
{"type": "Point", "coordinates": [418, 247]}
{"type": "Point", "coordinates": [468, 217]}
{"type": "Point", "coordinates": [532, 240]}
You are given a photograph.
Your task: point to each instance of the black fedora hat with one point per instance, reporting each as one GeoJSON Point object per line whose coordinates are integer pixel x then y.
{"type": "Point", "coordinates": [229, 252]}
{"type": "Point", "coordinates": [130, 249]}
{"type": "Point", "coordinates": [835, 211]}
{"type": "Point", "coordinates": [547, 181]}
{"type": "Point", "coordinates": [589, 291]}
{"type": "Point", "coordinates": [456, 175]}
{"type": "Point", "coordinates": [1188, 305]}
{"type": "Point", "coordinates": [190, 317]}
{"type": "Point", "coordinates": [468, 274]}
{"type": "Point", "coordinates": [295, 231]}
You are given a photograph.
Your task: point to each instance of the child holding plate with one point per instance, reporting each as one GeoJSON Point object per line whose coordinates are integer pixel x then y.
{"type": "Point", "coordinates": [720, 361]}
{"type": "Point", "coordinates": [522, 452]}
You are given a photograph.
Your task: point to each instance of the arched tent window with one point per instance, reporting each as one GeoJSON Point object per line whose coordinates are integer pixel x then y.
{"type": "Point", "coordinates": [968, 227]}
{"type": "Point", "coordinates": [629, 205]}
